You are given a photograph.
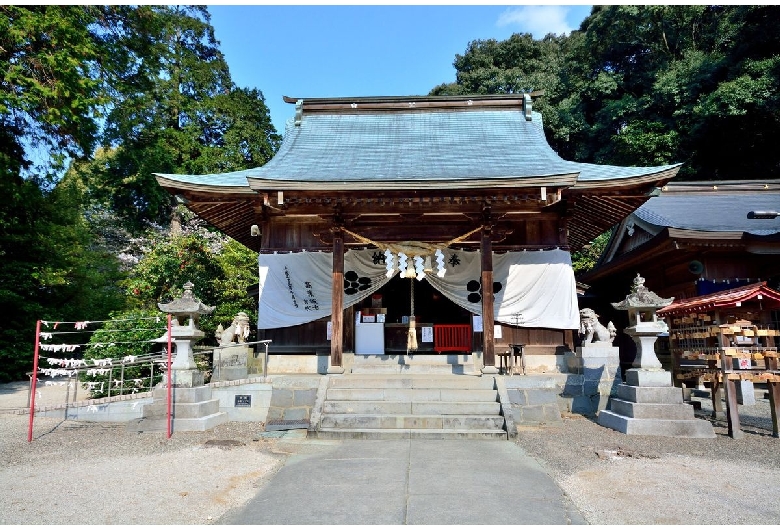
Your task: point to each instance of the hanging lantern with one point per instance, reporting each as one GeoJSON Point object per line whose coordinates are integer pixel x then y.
{"type": "Point", "coordinates": [428, 267]}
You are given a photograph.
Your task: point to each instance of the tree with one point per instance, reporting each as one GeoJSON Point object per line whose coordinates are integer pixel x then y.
{"type": "Point", "coordinates": [220, 268]}
{"type": "Point", "coordinates": [155, 77]}
{"type": "Point", "coordinates": [649, 85]}
{"type": "Point", "coordinates": [683, 81]}
{"type": "Point", "coordinates": [178, 113]}
{"type": "Point", "coordinates": [51, 91]}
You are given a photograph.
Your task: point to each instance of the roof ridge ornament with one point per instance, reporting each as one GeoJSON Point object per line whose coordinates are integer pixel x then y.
{"type": "Point", "coordinates": [298, 112]}
{"type": "Point", "coordinates": [527, 104]}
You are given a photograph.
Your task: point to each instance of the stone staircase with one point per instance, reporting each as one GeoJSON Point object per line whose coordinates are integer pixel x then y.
{"type": "Point", "coordinates": [401, 363]}
{"type": "Point", "coordinates": [394, 406]}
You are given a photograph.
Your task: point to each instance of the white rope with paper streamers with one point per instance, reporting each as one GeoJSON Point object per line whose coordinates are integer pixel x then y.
{"type": "Point", "coordinates": [418, 268]}
{"type": "Point", "coordinates": [416, 249]}
{"type": "Point", "coordinates": [389, 262]}
{"type": "Point", "coordinates": [440, 263]}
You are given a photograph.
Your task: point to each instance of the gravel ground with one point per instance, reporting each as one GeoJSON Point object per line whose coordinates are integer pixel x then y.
{"type": "Point", "coordinates": [615, 478]}
{"type": "Point", "coordinates": [63, 476]}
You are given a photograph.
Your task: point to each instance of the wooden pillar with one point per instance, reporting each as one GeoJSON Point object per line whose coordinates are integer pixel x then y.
{"type": "Point", "coordinates": [774, 405]}
{"type": "Point", "coordinates": [488, 320]}
{"type": "Point", "coordinates": [732, 412]}
{"type": "Point", "coordinates": [337, 316]}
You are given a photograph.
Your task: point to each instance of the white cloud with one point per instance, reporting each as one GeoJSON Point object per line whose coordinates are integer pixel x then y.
{"type": "Point", "coordinates": [537, 20]}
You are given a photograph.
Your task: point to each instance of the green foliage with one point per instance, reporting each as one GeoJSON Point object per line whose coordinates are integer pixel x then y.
{"type": "Point", "coordinates": [50, 271]}
{"type": "Point", "coordinates": [48, 93]}
{"type": "Point", "coordinates": [238, 271]}
{"type": "Point", "coordinates": [128, 334]}
{"type": "Point", "coordinates": [587, 258]}
{"type": "Point", "coordinates": [155, 78]}
{"type": "Point", "coordinates": [649, 85]}
{"type": "Point", "coordinates": [172, 262]}
{"type": "Point", "coordinates": [220, 268]}
{"type": "Point", "coordinates": [179, 113]}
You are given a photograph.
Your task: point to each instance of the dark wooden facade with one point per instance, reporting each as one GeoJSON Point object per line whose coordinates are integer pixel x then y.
{"type": "Point", "coordinates": [693, 239]}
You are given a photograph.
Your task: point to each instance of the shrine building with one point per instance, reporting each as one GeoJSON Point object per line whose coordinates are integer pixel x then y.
{"type": "Point", "coordinates": [418, 225]}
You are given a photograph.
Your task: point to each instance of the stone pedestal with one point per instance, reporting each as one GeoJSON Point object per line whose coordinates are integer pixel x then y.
{"type": "Point", "coordinates": [599, 365]}
{"type": "Point", "coordinates": [184, 371]}
{"type": "Point", "coordinates": [193, 409]}
{"type": "Point", "coordinates": [186, 378]}
{"type": "Point", "coordinates": [648, 404]}
{"type": "Point", "coordinates": [644, 337]}
{"type": "Point", "coordinates": [231, 363]}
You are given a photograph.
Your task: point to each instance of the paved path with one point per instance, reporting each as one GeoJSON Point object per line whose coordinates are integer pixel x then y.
{"type": "Point", "coordinates": [409, 482]}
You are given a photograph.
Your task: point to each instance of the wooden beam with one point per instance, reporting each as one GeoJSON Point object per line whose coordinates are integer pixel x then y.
{"type": "Point", "coordinates": [488, 319]}
{"type": "Point", "coordinates": [337, 333]}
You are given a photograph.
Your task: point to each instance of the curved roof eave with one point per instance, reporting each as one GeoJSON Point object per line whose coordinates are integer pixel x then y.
{"type": "Point", "coordinates": [593, 176]}
{"type": "Point", "coordinates": [232, 183]}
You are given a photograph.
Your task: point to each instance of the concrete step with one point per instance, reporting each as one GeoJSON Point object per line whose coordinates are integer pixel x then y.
{"type": "Point", "coordinates": [542, 381]}
{"type": "Point", "coordinates": [204, 423]}
{"type": "Point", "coordinates": [183, 394]}
{"type": "Point", "coordinates": [410, 381]}
{"type": "Point", "coordinates": [673, 411]}
{"type": "Point", "coordinates": [411, 421]}
{"type": "Point", "coordinates": [410, 394]}
{"type": "Point", "coordinates": [480, 408]}
{"type": "Point", "coordinates": [401, 363]}
{"type": "Point", "coordinates": [158, 409]}
{"type": "Point", "coordinates": [405, 434]}
{"type": "Point", "coordinates": [691, 428]}
{"type": "Point", "coordinates": [402, 406]}
{"type": "Point", "coordinates": [650, 394]}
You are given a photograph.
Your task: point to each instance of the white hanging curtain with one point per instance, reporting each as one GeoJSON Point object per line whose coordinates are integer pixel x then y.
{"type": "Point", "coordinates": [295, 288]}
{"type": "Point", "coordinates": [533, 289]}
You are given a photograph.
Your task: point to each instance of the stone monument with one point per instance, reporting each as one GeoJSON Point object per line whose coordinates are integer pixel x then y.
{"type": "Point", "coordinates": [648, 403]}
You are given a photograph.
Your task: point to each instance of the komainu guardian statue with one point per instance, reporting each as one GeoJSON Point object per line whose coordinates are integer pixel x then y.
{"type": "Point", "coordinates": [591, 330]}
{"type": "Point", "coordinates": [236, 333]}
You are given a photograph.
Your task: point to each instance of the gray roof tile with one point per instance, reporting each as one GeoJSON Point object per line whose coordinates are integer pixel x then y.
{"type": "Point", "coordinates": [713, 212]}
{"type": "Point", "coordinates": [417, 146]}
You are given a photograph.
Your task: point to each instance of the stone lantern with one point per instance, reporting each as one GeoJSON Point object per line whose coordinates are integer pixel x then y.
{"type": "Point", "coordinates": [185, 312]}
{"type": "Point", "coordinates": [647, 403]}
{"type": "Point", "coordinates": [644, 326]}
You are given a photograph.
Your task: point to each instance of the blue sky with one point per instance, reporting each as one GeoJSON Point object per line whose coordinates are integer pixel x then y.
{"type": "Point", "coordinates": [365, 50]}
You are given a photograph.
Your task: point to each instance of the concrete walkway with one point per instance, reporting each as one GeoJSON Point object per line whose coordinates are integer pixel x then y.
{"type": "Point", "coordinates": [393, 482]}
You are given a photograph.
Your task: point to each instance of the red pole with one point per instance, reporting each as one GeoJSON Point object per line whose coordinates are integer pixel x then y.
{"type": "Point", "coordinates": [168, 417]}
{"type": "Point", "coordinates": [34, 380]}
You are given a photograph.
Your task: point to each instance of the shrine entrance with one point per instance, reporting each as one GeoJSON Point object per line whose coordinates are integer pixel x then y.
{"type": "Point", "coordinates": [390, 310]}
